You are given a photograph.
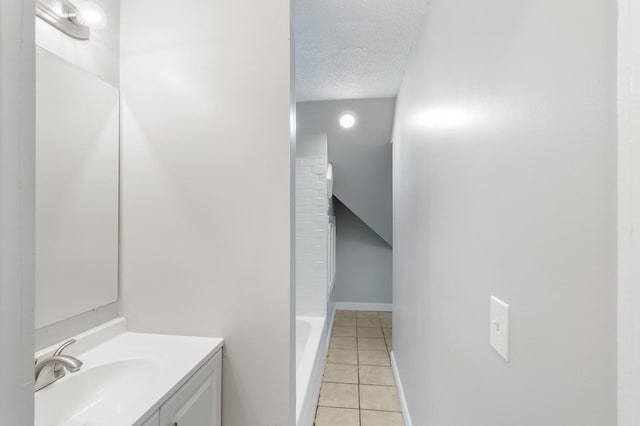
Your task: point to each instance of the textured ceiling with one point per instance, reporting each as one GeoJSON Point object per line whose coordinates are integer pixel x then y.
{"type": "Point", "coordinates": [351, 49]}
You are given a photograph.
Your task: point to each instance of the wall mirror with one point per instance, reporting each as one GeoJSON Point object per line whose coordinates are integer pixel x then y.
{"type": "Point", "coordinates": [77, 190]}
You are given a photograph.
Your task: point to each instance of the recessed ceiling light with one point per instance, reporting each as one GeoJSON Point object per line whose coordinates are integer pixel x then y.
{"type": "Point", "coordinates": [347, 120]}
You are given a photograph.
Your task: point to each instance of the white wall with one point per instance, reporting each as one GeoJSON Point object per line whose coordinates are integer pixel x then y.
{"type": "Point", "coordinates": [100, 55]}
{"type": "Point", "coordinates": [361, 156]}
{"type": "Point", "coordinates": [54, 333]}
{"type": "Point", "coordinates": [17, 193]}
{"type": "Point", "coordinates": [363, 261]}
{"type": "Point", "coordinates": [504, 184]}
{"type": "Point", "coordinates": [628, 213]}
{"type": "Point", "coordinates": [311, 228]}
{"type": "Point", "coordinates": [206, 188]}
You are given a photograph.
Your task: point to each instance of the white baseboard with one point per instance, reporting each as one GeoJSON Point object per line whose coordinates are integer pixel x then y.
{"type": "Point", "coordinates": [403, 401]}
{"type": "Point", "coordinates": [352, 306]}
{"type": "Point", "coordinates": [330, 319]}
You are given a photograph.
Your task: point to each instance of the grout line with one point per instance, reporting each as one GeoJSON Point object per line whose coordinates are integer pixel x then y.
{"type": "Point", "coordinates": [382, 411]}
{"type": "Point", "coordinates": [380, 386]}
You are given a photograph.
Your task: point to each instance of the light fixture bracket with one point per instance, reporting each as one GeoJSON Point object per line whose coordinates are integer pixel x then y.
{"type": "Point", "coordinates": [57, 13]}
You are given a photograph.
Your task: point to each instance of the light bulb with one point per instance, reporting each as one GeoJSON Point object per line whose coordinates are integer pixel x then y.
{"type": "Point", "coordinates": [90, 14]}
{"type": "Point", "coordinates": [347, 120]}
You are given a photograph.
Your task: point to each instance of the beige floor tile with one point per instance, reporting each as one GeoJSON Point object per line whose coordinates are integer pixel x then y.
{"type": "Point", "coordinates": [388, 333]}
{"type": "Point", "coordinates": [345, 314]}
{"type": "Point", "coordinates": [342, 373]}
{"type": "Point", "coordinates": [339, 395]}
{"type": "Point", "coordinates": [371, 344]}
{"type": "Point", "coordinates": [384, 315]}
{"type": "Point", "coordinates": [370, 332]}
{"type": "Point", "coordinates": [345, 331]}
{"type": "Point", "coordinates": [329, 416]}
{"type": "Point", "coordinates": [380, 418]}
{"type": "Point", "coordinates": [376, 375]}
{"type": "Point", "coordinates": [369, 322]}
{"type": "Point", "coordinates": [385, 322]}
{"type": "Point", "coordinates": [380, 398]}
{"type": "Point", "coordinates": [389, 344]}
{"type": "Point", "coordinates": [343, 343]}
{"type": "Point", "coordinates": [344, 322]}
{"type": "Point", "coordinates": [342, 356]}
{"type": "Point", "coordinates": [366, 314]}
{"type": "Point", "coordinates": [374, 358]}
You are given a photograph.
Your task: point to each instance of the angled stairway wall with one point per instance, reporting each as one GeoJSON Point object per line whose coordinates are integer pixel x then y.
{"type": "Point", "coordinates": [361, 156]}
{"type": "Point", "coordinates": [363, 260]}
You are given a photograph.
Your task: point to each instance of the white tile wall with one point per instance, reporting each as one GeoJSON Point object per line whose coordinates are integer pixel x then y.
{"type": "Point", "coordinates": [311, 236]}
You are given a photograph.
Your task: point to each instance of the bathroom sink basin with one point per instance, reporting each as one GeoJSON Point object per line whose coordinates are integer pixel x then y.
{"type": "Point", "coordinates": [96, 395]}
{"type": "Point", "coordinates": [125, 377]}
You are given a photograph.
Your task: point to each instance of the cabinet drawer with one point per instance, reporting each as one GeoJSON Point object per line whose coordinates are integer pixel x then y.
{"type": "Point", "coordinates": [197, 402]}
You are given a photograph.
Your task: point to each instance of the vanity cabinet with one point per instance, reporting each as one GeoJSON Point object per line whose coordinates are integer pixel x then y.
{"type": "Point", "coordinates": [197, 402]}
{"type": "Point", "coordinates": [153, 420]}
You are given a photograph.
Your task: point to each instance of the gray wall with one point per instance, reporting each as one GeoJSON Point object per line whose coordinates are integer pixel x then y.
{"type": "Point", "coordinates": [504, 184]}
{"type": "Point", "coordinates": [363, 260]}
{"type": "Point", "coordinates": [206, 188]}
{"type": "Point", "coordinates": [314, 145]}
{"type": "Point", "coordinates": [17, 222]}
{"type": "Point", "coordinates": [361, 156]}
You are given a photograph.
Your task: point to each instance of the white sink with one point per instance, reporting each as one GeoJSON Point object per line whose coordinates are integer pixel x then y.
{"type": "Point", "coordinates": [123, 379]}
{"type": "Point", "coordinates": [103, 392]}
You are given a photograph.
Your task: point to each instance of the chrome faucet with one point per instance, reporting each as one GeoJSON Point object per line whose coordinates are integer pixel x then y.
{"type": "Point", "coordinates": [55, 367]}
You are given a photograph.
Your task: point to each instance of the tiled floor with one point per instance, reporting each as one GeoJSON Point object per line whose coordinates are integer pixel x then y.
{"type": "Point", "coordinates": [358, 388]}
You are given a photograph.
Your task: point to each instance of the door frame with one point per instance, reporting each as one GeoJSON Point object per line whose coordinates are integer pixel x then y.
{"type": "Point", "coordinates": [17, 195]}
{"type": "Point", "coordinates": [628, 213]}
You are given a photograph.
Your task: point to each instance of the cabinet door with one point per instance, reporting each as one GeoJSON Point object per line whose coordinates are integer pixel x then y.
{"type": "Point", "coordinates": [197, 403]}
{"type": "Point", "coordinates": [198, 409]}
{"type": "Point", "coordinates": [153, 420]}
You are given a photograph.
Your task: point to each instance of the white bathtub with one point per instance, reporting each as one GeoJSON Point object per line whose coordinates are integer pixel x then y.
{"type": "Point", "coordinates": [311, 353]}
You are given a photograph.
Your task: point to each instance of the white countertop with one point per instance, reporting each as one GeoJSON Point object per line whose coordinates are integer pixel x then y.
{"type": "Point", "coordinates": [125, 376]}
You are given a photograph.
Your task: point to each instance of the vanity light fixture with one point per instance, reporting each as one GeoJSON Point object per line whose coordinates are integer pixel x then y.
{"type": "Point", "coordinates": [347, 120]}
{"type": "Point", "coordinates": [90, 15]}
{"type": "Point", "coordinates": [73, 20]}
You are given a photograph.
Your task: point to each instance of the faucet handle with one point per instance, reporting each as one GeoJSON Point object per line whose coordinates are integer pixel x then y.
{"type": "Point", "coordinates": [63, 346]}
